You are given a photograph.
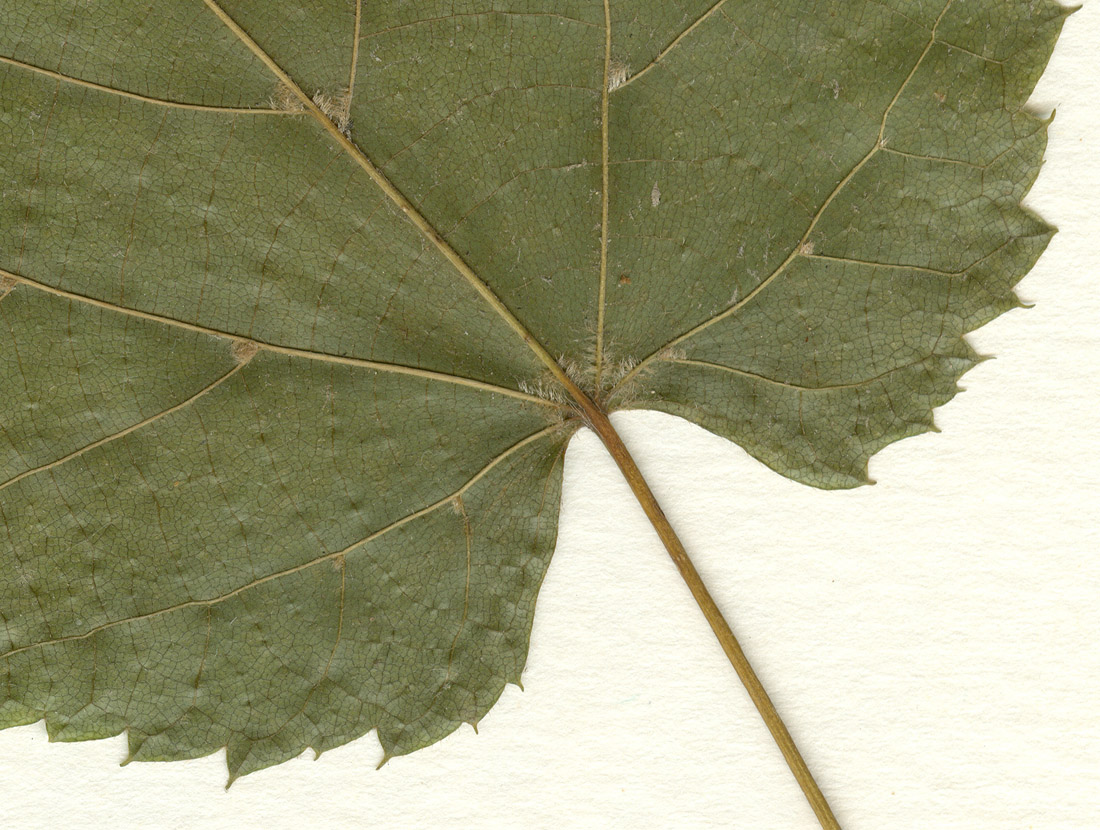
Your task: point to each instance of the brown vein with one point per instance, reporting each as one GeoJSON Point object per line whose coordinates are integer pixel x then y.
{"type": "Point", "coordinates": [798, 249]}
{"type": "Point", "coordinates": [605, 195]}
{"type": "Point", "coordinates": [399, 199]}
{"type": "Point", "coordinates": [194, 603]}
{"type": "Point", "coordinates": [702, 19]}
{"type": "Point", "coordinates": [291, 351]}
{"type": "Point", "coordinates": [123, 433]}
{"type": "Point", "coordinates": [940, 159]}
{"type": "Point", "coordinates": [897, 266]}
{"type": "Point", "coordinates": [160, 102]}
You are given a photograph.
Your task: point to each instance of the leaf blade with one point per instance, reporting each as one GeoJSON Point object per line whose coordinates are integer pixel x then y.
{"type": "Point", "coordinates": [905, 337]}
{"type": "Point", "coordinates": [543, 230]}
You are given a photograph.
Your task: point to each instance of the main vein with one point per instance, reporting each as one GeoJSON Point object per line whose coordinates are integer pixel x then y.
{"type": "Point", "coordinates": [399, 199]}
{"type": "Point", "coordinates": [601, 301]}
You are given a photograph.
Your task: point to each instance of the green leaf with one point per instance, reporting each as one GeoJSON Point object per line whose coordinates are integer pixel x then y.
{"type": "Point", "coordinates": [303, 302]}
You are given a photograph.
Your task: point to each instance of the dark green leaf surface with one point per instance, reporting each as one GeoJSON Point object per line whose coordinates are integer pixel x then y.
{"type": "Point", "coordinates": [275, 471]}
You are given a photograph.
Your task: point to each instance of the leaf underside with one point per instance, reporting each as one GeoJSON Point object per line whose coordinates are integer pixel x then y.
{"type": "Point", "coordinates": [275, 470]}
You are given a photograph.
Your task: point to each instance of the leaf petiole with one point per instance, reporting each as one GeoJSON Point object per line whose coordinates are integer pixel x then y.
{"type": "Point", "coordinates": [600, 424]}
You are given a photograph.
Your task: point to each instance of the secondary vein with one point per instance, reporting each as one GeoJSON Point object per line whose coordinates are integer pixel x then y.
{"type": "Point", "coordinates": [664, 52]}
{"type": "Point", "coordinates": [799, 249]}
{"type": "Point", "coordinates": [160, 102]}
{"type": "Point", "coordinates": [124, 432]}
{"type": "Point", "coordinates": [601, 301]}
{"type": "Point", "coordinates": [308, 354]}
{"type": "Point", "coordinates": [446, 500]}
{"type": "Point", "coordinates": [797, 387]}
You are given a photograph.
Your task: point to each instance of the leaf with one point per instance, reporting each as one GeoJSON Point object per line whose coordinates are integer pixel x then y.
{"type": "Point", "coordinates": [303, 303]}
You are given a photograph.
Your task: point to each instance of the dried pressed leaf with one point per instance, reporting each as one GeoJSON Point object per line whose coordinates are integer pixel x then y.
{"type": "Point", "coordinates": [301, 307]}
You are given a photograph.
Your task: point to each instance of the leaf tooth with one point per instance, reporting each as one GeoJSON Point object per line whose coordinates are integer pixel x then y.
{"type": "Point", "coordinates": [134, 742]}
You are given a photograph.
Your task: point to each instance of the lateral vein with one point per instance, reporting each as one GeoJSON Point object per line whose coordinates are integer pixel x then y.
{"type": "Point", "coordinates": [291, 351]}
{"type": "Point", "coordinates": [160, 102]}
{"type": "Point", "coordinates": [355, 52]}
{"type": "Point", "coordinates": [664, 52]}
{"type": "Point", "coordinates": [605, 195]}
{"type": "Point", "coordinates": [797, 387]}
{"type": "Point", "coordinates": [123, 433]}
{"type": "Point", "coordinates": [446, 500]}
{"type": "Point", "coordinates": [894, 266]}
{"type": "Point", "coordinates": [798, 249]}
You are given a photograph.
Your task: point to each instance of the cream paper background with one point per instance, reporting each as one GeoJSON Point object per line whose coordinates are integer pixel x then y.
{"type": "Point", "coordinates": [931, 641]}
